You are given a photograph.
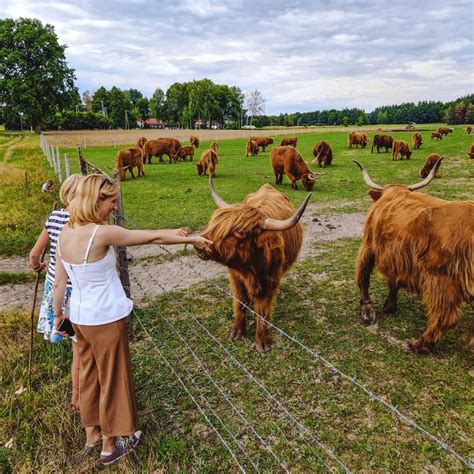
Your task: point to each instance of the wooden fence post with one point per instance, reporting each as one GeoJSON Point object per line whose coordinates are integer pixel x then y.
{"type": "Point", "coordinates": [66, 165]}
{"type": "Point", "coordinates": [122, 253]}
{"type": "Point", "coordinates": [82, 162]}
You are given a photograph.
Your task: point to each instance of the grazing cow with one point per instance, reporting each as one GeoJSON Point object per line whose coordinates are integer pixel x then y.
{"type": "Point", "coordinates": [262, 142]}
{"type": "Point", "coordinates": [421, 243]}
{"type": "Point", "coordinates": [322, 153]}
{"type": "Point", "coordinates": [141, 142]}
{"type": "Point", "coordinates": [436, 135]}
{"type": "Point", "coordinates": [194, 141]}
{"type": "Point", "coordinates": [468, 130]}
{"type": "Point", "coordinates": [445, 130]}
{"type": "Point", "coordinates": [184, 152]}
{"type": "Point", "coordinates": [471, 152]}
{"type": "Point", "coordinates": [289, 142]}
{"type": "Point", "coordinates": [127, 159]}
{"type": "Point", "coordinates": [382, 141]}
{"type": "Point", "coordinates": [160, 147]}
{"type": "Point", "coordinates": [208, 161]}
{"type": "Point", "coordinates": [258, 240]}
{"type": "Point", "coordinates": [286, 160]}
{"type": "Point", "coordinates": [400, 147]}
{"type": "Point", "coordinates": [357, 138]}
{"type": "Point", "coordinates": [417, 140]}
{"type": "Point", "coordinates": [429, 164]}
{"type": "Point", "coordinates": [252, 148]}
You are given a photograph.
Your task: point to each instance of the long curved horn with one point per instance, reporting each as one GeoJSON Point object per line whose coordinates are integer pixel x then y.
{"type": "Point", "coordinates": [315, 176]}
{"type": "Point", "coordinates": [428, 179]}
{"type": "Point", "coordinates": [217, 199]}
{"type": "Point", "coordinates": [367, 178]}
{"type": "Point", "coordinates": [275, 224]}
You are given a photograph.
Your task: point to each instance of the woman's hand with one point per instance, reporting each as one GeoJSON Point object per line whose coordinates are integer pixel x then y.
{"type": "Point", "coordinates": [181, 232]}
{"type": "Point", "coordinates": [201, 242]}
{"type": "Point", "coordinates": [36, 267]}
{"type": "Point", "coordinates": [57, 322]}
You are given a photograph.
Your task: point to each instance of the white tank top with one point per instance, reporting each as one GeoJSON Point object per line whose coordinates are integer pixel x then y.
{"type": "Point", "coordinates": [97, 294]}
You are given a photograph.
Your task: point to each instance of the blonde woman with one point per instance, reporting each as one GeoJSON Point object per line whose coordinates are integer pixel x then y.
{"type": "Point", "coordinates": [98, 306]}
{"type": "Point", "coordinates": [52, 228]}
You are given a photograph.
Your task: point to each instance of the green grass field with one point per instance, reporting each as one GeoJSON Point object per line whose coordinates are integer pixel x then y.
{"type": "Point", "coordinates": [318, 304]}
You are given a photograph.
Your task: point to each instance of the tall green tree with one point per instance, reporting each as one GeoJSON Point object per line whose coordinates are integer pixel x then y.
{"type": "Point", "coordinates": [142, 109]}
{"type": "Point", "coordinates": [134, 95]}
{"type": "Point", "coordinates": [35, 80]}
{"type": "Point", "coordinates": [158, 104]}
{"type": "Point", "coordinates": [101, 101]}
{"type": "Point", "coordinates": [176, 101]}
{"type": "Point", "coordinates": [120, 108]}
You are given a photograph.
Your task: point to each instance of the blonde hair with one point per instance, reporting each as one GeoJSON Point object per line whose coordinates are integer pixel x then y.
{"type": "Point", "coordinates": [67, 190]}
{"type": "Point", "coordinates": [84, 208]}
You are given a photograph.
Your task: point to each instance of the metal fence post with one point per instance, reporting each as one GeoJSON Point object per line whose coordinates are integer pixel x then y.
{"type": "Point", "coordinates": [122, 253]}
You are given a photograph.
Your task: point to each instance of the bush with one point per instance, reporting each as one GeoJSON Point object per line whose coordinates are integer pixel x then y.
{"type": "Point", "coordinates": [70, 120]}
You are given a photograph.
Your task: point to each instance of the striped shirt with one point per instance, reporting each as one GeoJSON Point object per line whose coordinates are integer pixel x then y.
{"type": "Point", "coordinates": [53, 225]}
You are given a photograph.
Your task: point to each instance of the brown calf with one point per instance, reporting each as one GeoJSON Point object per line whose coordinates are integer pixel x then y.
{"type": "Point", "coordinates": [207, 162]}
{"type": "Point", "coordinates": [400, 147]}
{"type": "Point", "coordinates": [127, 159]}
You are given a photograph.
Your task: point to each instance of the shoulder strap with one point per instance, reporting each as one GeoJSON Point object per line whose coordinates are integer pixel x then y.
{"type": "Point", "coordinates": [89, 245]}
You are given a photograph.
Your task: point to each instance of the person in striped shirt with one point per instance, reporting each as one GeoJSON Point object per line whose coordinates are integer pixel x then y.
{"type": "Point", "coordinates": [52, 228]}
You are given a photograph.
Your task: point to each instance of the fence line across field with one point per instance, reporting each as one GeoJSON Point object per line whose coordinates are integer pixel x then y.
{"type": "Point", "coordinates": [53, 156]}
{"type": "Point", "coordinates": [301, 430]}
{"type": "Point", "coordinates": [271, 398]}
{"type": "Point", "coordinates": [234, 457]}
{"type": "Point", "coordinates": [353, 380]}
{"type": "Point", "coordinates": [208, 404]}
{"type": "Point", "coordinates": [371, 394]}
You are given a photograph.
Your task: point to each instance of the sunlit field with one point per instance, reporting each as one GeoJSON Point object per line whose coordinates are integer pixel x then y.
{"type": "Point", "coordinates": [318, 305]}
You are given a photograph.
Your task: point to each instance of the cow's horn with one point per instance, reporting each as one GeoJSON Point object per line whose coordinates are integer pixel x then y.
{"type": "Point", "coordinates": [217, 199]}
{"type": "Point", "coordinates": [275, 224]}
{"type": "Point", "coordinates": [428, 179]}
{"type": "Point", "coordinates": [367, 178]}
{"type": "Point", "coordinates": [315, 176]}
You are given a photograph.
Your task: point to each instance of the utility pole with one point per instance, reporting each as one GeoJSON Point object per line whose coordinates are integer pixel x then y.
{"type": "Point", "coordinates": [127, 125]}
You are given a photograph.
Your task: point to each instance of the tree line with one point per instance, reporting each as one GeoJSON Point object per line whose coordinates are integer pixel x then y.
{"type": "Point", "coordinates": [459, 111]}
{"type": "Point", "coordinates": [37, 89]}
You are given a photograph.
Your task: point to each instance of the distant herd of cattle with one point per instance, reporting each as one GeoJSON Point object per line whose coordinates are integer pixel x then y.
{"type": "Point", "coordinates": [417, 242]}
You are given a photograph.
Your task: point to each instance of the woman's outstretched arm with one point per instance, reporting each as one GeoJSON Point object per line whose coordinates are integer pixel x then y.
{"type": "Point", "coordinates": [118, 236]}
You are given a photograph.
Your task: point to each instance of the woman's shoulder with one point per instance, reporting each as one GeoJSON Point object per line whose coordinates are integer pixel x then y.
{"type": "Point", "coordinates": [58, 217]}
{"type": "Point", "coordinates": [59, 214]}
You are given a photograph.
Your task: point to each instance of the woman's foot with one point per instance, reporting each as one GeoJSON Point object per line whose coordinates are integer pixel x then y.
{"type": "Point", "coordinates": [123, 446]}
{"type": "Point", "coordinates": [93, 436]}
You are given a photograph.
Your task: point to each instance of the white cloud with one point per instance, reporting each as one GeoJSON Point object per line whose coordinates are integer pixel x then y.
{"type": "Point", "coordinates": [299, 54]}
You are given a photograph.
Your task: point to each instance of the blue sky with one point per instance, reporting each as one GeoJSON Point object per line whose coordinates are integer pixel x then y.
{"type": "Point", "coordinates": [302, 55]}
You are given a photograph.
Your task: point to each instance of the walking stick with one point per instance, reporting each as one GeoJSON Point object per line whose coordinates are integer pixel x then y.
{"type": "Point", "coordinates": [32, 315]}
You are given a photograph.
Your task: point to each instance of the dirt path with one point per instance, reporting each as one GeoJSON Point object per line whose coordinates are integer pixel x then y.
{"type": "Point", "coordinates": [154, 269]}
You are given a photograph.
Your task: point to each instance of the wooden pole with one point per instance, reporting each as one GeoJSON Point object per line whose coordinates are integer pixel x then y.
{"type": "Point", "coordinates": [122, 261]}
{"type": "Point", "coordinates": [32, 314]}
{"type": "Point", "coordinates": [82, 162]}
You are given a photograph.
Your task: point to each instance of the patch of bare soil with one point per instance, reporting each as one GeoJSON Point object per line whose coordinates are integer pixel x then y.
{"type": "Point", "coordinates": [154, 269]}
{"type": "Point", "coordinates": [85, 138]}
